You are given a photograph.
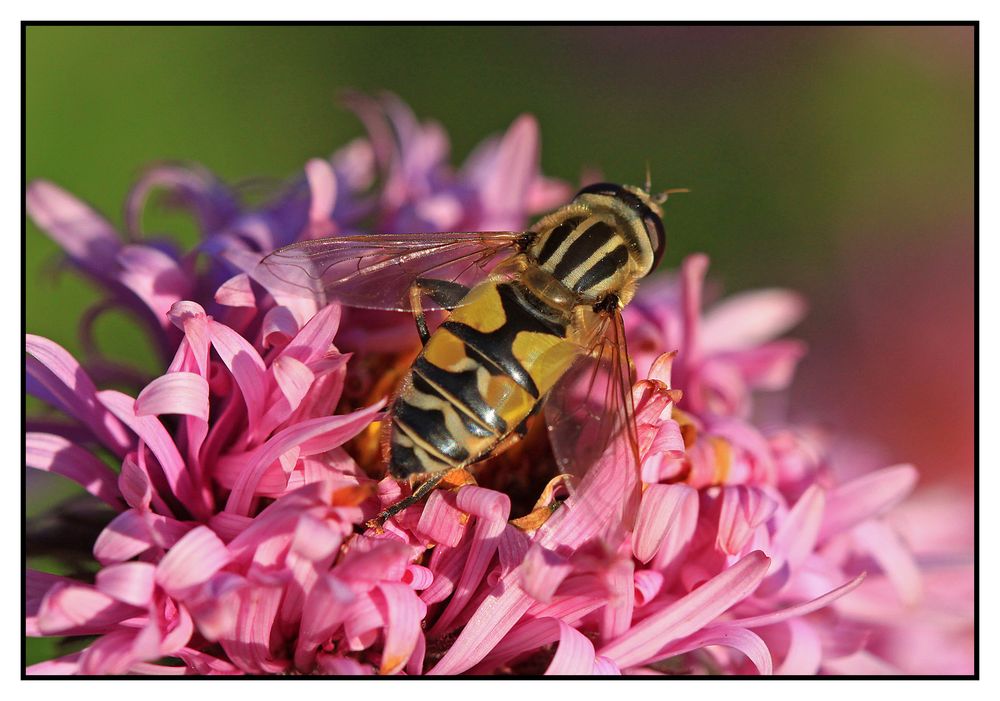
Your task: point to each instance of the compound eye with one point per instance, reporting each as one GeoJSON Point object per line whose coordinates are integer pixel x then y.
{"type": "Point", "coordinates": [657, 237]}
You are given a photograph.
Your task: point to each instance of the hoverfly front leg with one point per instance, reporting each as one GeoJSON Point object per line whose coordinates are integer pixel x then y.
{"type": "Point", "coordinates": [445, 293]}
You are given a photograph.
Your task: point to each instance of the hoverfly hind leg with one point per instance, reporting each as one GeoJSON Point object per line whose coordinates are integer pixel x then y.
{"type": "Point", "coordinates": [418, 494]}
{"type": "Point", "coordinates": [445, 293]}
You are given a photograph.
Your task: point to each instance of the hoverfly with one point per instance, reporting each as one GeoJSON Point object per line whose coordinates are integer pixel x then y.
{"type": "Point", "coordinates": [535, 321]}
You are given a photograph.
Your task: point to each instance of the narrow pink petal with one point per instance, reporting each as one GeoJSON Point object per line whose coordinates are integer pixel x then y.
{"type": "Point", "coordinates": [743, 509]}
{"type": "Point", "coordinates": [249, 648]}
{"type": "Point", "coordinates": [324, 609]}
{"type": "Point", "coordinates": [805, 653]}
{"type": "Point", "coordinates": [747, 642]}
{"type": "Point", "coordinates": [513, 546]}
{"type": "Point", "coordinates": [52, 453]}
{"type": "Point", "coordinates": [619, 583]}
{"type": "Point", "coordinates": [236, 292]}
{"type": "Point", "coordinates": [542, 572]}
{"type": "Point", "coordinates": [57, 667]}
{"type": "Point", "coordinates": [605, 668]}
{"type": "Point", "coordinates": [748, 319]}
{"type": "Point", "coordinates": [678, 537]}
{"type": "Point", "coordinates": [895, 559]}
{"type": "Point", "coordinates": [322, 189]}
{"type": "Point", "coordinates": [114, 653]}
{"type": "Point", "coordinates": [155, 278]}
{"type": "Point", "coordinates": [316, 337]}
{"type": "Point", "coordinates": [799, 609]}
{"type": "Point", "coordinates": [490, 623]}
{"type": "Point", "coordinates": [529, 634]}
{"type": "Point", "coordinates": [130, 582]}
{"type": "Point", "coordinates": [65, 382]}
{"type": "Point", "coordinates": [174, 393]}
{"type": "Point", "coordinates": [86, 236]}
{"type": "Point", "coordinates": [134, 485]}
{"type": "Point", "coordinates": [246, 366]}
{"type": "Point", "coordinates": [404, 611]}
{"type": "Point", "coordinates": [441, 521]}
{"type": "Point", "coordinates": [152, 432]}
{"type": "Point", "coordinates": [575, 654]}
{"type": "Point", "coordinates": [515, 167]}
{"type": "Point", "coordinates": [647, 585]}
{"type": "Point", "coordinates": [447, 564]}
{"type": "Point", "coordinates": [193, 560]}
{"type": "Point", "coordinates": [312, 436]}
{"type": "Point", "coordinates": [293, 380]}
{"type": "Point", "coordinates": [124, 538]}
{"type": "Point", "coordinates": [491, 510]}
{"type": "Point", "coordinates": [796, 536]}
{"type": "Point", "coordinates": [768, 367]}
{"type": "Point", "coordinates": [80, 609]}
{"type": "Point", "coordinates": [418, 577]}
{"type": "Point", "coordinates": [693, 269]}
{"type": "Point", "coordinates": [278, 327]}
{"type": "Point", "coordinates": [867, 496]}
{"type": "Point", "coordinates": [661, 507]}
{"type": "Point", "coordinates": [364, 621]}
{"type": "Point", "coordinates": [342, 666]}
{"type": "Point", "coordinates": [689, 613]}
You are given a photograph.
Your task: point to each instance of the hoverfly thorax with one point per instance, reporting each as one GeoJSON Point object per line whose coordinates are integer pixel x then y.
{"type": "Point", "coordinates": [601, 243]}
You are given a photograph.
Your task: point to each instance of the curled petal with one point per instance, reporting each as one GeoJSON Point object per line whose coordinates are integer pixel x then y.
{"type": "Point", "coordinates": [55, 376]}
{"type": "Point", "coordinates": [130, 582]}
{"type": "Point", "coordinates": [661, 507]}
{"type": "Point", "coordinates": [403, 613]}
{"type": "Point", "coordinates": [743, 509]}
{"type": "Point", "coordinates": [155, 278]}
{"type": "Point", "coordinates": [805, 651]}
{"type": "Point", "coordinates": [865, 497]}
{"type": "Point", "coordinates": [192, 560]}
{"type": "Point", "coordinates": [174, 393]}
{"type": "Point", "coordinates": [322, 189]}
{"type": "Point", "coordinates": [644, 641]}
{"type": "Point", "coordinates": [575, 654]}
{"type": "Point", "coordinates": [86, 236]}
{"type": "Point", "coordinates": [441, 520]}
{"type": "Point", "coordinates": [746, 641]}
{"type": "Point", "coordinates": [52, 453]}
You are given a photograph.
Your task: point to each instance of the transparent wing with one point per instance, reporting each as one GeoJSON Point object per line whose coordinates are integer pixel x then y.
{"type": "Point", "coordinates": [591, 421]}
{"type": "Point", "coordinates": [375, 271]}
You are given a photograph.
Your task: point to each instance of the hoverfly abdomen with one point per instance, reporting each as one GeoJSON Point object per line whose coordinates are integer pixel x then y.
{"type": "Point", "coordinates": [479, 376]}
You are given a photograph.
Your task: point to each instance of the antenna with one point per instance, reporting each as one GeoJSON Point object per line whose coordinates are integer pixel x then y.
{"type": "Point", "coordinates": [662, 197]}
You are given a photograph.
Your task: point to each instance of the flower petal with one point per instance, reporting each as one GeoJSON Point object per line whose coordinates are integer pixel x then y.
{"type": "Point", "coordinates": [867, 496]}
{"type": "Point", "coordinates": [52, 453]}
{"type": "Point", "coordinates": [799, 609]}
{"type": "Point", "coordinates": [661, 507]}
{"type": "Point", "coordinates": [404, 611]}
{"type": "Point", "coordinates": [61, 380]}
{"type": "Point", "coordinates": [192, 560]}
{"type": "Point", "coordinates": [748, 319]}
{"type": "Point", "coordinates": [575, 654]}
{"type": "Point", "coordinates": [174, 393]}
{"type": "Point", "coordinates": [86, 236]}
{"type": "Point", "coordinates": [645, 640]}
{"type": "Point", "coordinates": [747, 642]}
{"type": "Point", "coordinates": [312, 436]}
{"type": "Point", "coordinates": [129, 582]}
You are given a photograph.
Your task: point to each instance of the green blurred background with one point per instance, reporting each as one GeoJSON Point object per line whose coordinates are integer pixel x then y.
{"type": "Point", "coordinates": [834, 160]}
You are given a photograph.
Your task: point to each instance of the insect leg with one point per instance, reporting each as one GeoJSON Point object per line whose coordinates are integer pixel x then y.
{"type": "Point", "coordinates": [418, 494]}
{"type": "Point", "coordinates": [445, 293]}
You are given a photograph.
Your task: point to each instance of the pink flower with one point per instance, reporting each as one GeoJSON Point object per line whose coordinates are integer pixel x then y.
{"type": "Point", "coordinates": [232, 538]}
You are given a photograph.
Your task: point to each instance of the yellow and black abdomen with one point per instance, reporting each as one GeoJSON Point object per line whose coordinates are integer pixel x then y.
{"type": "Point", "coordinates": [481, 374]}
